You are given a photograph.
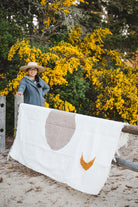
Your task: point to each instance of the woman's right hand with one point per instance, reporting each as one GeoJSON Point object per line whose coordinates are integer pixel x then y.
{"type": "Point", "coordinates": [19, 93]}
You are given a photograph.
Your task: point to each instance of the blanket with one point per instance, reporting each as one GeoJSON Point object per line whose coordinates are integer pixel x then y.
{"type": "Point", "coordinates": [68, 147]}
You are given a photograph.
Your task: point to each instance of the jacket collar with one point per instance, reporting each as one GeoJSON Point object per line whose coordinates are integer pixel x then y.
{"type": "Point", "coordinates": [31, 82]}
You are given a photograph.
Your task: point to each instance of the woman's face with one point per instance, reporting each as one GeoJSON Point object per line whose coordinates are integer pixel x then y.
{"type": "Point", "coordinates": [32, 72]}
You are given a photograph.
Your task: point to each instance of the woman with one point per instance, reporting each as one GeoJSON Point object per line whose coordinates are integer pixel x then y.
{"type": "Point", "coordinates": [32, 86]}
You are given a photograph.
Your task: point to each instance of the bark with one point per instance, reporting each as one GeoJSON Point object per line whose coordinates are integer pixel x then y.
{"type": "Point", "coordinates": [131, 129]}
{"type": "Point", "coordinates": [126, 164]}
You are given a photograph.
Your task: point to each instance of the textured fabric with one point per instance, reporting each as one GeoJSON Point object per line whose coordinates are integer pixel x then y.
{"type": "Point", "coordinates": [82, 160]}
{"type": "Point", "coordinates": [59, 128]}
{"type": "Point", "coordinates": [32, 94]}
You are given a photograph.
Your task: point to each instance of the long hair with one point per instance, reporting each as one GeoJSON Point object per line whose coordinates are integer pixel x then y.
{"type": "Point", "coordinates": [37, 81]}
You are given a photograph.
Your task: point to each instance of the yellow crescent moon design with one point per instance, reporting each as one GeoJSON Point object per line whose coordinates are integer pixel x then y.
{"type": "Point", "coordinates": [86, 165]}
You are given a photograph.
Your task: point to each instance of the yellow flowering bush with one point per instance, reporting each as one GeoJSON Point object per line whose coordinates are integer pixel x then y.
{"type": "Point", "coordinates": [112, 86]}
{"type": "Point", "coordinates": [118, 93]}
{"type": "Point", "coordinates": [51, 8]}
{"type": "Point", "coordinates": [60, 104]}
{"type": "Point", "coordinates": [2, 76]}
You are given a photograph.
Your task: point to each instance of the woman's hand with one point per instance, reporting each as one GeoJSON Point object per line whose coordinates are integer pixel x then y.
{"type": "Point", "coordinates": [19, 93]}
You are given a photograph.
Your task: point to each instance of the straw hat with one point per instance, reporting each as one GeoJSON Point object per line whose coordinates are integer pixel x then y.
{"type": "Point", "coordinates": [32, 65]}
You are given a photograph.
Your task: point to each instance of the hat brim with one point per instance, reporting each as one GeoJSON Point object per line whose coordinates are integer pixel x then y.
{"type": "Point", "coordinates": [40, 68]}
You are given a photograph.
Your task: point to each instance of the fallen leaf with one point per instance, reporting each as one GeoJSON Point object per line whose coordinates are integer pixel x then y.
{"type": "Point", "coordinates": [128, 186]}
{"type": "Point", "coordinates": [37, 189]}
{"type": "Point", "coordinates": [118, 175]}
{"type": "Point", "coordinates": [29, 190]}
{"type": "Point", "coordinates": [135, 160]}
{"type": "Point", "coordinates": [1, 180]}
{"type": "Point", "coordinates": [19, 201]}
{"type": "Point", "coordinates": [114, 188]}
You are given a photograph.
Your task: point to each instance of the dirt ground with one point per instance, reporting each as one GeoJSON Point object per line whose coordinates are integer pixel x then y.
{"type": "Point", "coordinates": [22, 187]}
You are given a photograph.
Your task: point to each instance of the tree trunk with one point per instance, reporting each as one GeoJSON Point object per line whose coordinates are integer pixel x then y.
{"type": "Point", "coordinates": [130, 129]}
{"type": "Point", "coordinates": [126, 164]}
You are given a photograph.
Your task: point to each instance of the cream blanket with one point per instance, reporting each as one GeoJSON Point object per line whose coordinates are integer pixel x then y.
{"type": "Point", "coordinates": [70, 148]}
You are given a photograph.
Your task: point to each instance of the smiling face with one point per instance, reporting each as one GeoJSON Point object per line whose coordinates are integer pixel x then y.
{"type": "Point", "coordinates": [32, 72]}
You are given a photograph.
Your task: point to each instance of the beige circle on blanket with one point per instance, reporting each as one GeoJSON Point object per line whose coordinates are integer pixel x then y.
{"type": "Point", "coordinates": [59, 129]}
